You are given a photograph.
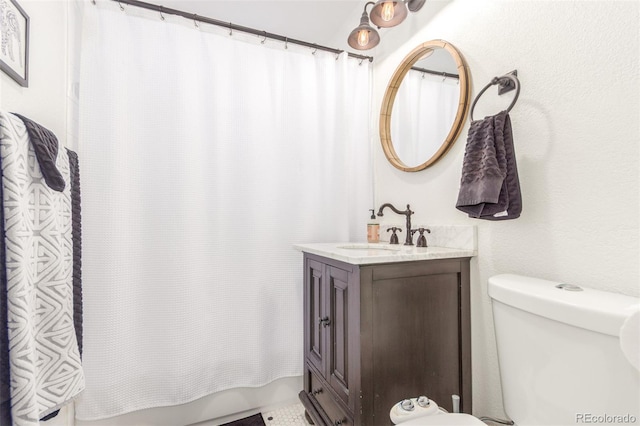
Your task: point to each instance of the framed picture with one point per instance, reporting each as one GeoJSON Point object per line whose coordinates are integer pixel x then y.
{"type": "Point", "coordinates": [14, 50]}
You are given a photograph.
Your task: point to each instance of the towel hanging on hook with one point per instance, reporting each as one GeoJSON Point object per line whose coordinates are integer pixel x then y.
{"type": "Point", "coordinates": [507, 83]}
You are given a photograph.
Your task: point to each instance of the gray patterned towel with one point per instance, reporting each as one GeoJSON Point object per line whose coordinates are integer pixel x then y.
{"type": "Point", "coordinates": [489, 187]}
{"type": "Point", "coordinates": [38, 273]}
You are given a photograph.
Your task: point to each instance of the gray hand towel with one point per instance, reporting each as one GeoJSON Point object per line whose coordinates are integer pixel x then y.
{"type": "Point", "coordinates": [489, 187]}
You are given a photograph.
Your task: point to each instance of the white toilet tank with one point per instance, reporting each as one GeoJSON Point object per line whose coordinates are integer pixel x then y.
{"type": "Point", "coordinates": [559, 353]}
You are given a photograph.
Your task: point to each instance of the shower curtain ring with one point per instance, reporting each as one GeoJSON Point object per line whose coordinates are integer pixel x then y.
{"type": "Point", "coordinates": [286, 41]}
{"type": "Point", "coordinates": [314, 50]}
{"type": "Point", "coordinates": [195, 22]}
{"type": "Point", "coordinates": [161, 15]}
{"type": "Point", "coordinates": [265, 37]}
{"type": "Point", "coordinates": [230, 29]}
{"type": "Point", "coordinates": [94, 2]}
{"type": "Point", "coordinates": [361, 61]}
{"type": "Point", "coordinates": [119, 4]}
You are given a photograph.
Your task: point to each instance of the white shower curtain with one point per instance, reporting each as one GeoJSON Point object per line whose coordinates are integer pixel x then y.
{"type": "Point", "coordinates": [423, 112]}
{"type": "Point", "coordinates": [204, 158]}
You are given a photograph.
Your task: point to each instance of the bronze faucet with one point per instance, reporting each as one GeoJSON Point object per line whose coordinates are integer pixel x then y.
{"type": "Point", "coordinates": [408, 240]}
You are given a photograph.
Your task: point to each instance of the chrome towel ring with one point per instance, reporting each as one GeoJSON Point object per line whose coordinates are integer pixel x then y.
{"type": "Point", "coordinates": [507, 83]}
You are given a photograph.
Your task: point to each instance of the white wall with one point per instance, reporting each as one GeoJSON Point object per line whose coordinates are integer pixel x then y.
{"type": "Point", "coordinates": [45, 99]}
{"type": "Point", "coordinates": [576, 133]}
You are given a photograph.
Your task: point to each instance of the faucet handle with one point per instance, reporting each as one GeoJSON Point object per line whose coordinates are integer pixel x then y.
{"type": "Point", "coordinates": [422, 240]}
{"type": "Point", "coordinates": [421, 230]}
{"type": "Point", "coordinates": [394, 238]}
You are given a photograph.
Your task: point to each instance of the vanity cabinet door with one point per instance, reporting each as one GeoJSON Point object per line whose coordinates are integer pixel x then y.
{"type": "Point", "coordinates": [416, 329]}
{"type": "Point", "coordinates": [416, 336]}
{"type": "Point", "coordinates": [339, 295]}
{"type": "Point", "coordinates": [316, 318]}
{"type": "Point", "coordinates": [331, 339]}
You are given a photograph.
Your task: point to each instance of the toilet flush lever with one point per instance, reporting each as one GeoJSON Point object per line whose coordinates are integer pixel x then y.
{"type": "Point", "coordinates": [569, 287]}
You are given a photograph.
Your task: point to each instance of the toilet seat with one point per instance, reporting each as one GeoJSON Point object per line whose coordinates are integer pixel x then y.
{"type": "Point", "coordinates": [452, 419]}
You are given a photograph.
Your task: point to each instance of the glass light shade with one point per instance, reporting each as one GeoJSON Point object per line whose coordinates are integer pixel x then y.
{"type": "Point", "coordinates": [388, 13]}
{"type": "Point", "coordinates": [364, 37]}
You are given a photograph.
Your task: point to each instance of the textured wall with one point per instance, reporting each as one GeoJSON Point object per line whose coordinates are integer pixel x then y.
{"type": "Point", "coordinates": [576, 132]}
{"type": "Point", "coordinates": [45, 99]}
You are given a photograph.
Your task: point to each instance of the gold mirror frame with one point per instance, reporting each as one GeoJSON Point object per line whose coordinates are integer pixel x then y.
{"type": "Point", "coordinates": [392, 90]}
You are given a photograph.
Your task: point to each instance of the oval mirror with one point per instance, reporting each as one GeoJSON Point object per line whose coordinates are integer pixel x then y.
{"type": "Point", "coordinates": [424, 106]}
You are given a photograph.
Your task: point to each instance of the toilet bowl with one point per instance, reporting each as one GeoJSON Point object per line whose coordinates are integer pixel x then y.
{"type": "Point", "coordinates": [572, 350]}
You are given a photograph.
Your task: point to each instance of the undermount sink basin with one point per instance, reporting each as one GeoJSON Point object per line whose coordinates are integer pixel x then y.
{"type": "Point", "coordinates": [369, 247]}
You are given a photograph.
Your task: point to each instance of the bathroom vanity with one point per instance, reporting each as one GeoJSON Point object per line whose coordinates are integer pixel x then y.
{"type": "Point", "coordinates": [383, 323]}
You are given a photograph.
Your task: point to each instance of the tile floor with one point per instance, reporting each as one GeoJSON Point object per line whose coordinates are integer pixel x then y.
{"type": "Point", "coordinates": [292, 415]}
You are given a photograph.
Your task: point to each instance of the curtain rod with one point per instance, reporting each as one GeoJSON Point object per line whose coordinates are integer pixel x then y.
{"type": "Point", "coordinates": [440, 73]}
{"type": "Point", "coordinates": [234, 27]}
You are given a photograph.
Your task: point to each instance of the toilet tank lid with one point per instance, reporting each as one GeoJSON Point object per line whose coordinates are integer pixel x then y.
{"type": "Point", "coordinates": [592, 309]}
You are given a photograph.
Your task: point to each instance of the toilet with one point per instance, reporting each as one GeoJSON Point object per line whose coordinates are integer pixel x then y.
{"type": "Point", "coordinates": [560, 352]}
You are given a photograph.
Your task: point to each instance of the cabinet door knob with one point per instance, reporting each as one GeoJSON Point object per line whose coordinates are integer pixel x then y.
{"type": "Point", "coordinates": [325, 321]}
{"type": "Point", "coordinates": [340, 422]}
{"type": "Point", "coordinates": [316, 391]}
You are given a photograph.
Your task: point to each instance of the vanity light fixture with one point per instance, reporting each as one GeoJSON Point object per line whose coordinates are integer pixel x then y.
{"type": "Point", "coordinates": [364, 37]}
{"type": "Point", "coordinates": [385, 14]}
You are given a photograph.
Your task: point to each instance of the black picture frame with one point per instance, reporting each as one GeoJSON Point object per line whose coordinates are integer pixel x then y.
{"type": "Point", "coordinates": [14, 47]}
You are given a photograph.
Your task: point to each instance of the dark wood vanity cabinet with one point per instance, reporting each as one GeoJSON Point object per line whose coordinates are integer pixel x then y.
{"type": "Point", "coordinates": [376, 334]}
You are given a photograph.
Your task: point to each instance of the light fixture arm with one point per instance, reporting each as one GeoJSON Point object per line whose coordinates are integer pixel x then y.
{"type": "Point", "coordinates": [365, 14]}
{"type": "Point", "coordinates": [364, 19]}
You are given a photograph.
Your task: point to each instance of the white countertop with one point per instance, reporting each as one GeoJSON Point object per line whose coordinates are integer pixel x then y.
{"type": "Point", "coordinates": [367, 254]}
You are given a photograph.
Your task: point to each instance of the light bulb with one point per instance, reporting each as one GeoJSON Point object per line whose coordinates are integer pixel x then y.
{"type": "Point", "coordinates": [388, 11]}
{"type": "Point", "coordinates": [363, 38]}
